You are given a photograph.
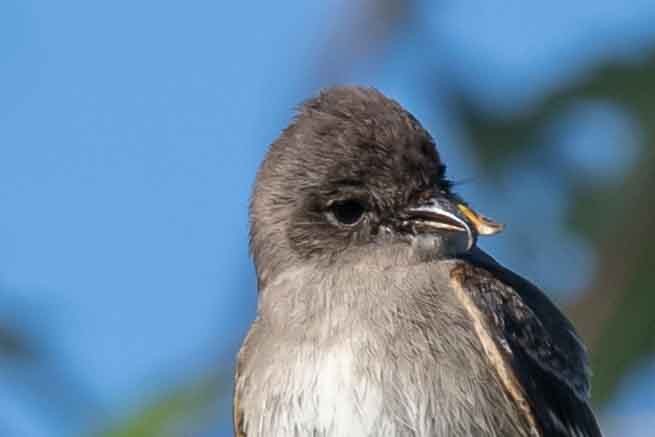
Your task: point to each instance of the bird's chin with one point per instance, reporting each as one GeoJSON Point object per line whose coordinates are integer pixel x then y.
{"type": "Point", "coordinates": [440, 245]}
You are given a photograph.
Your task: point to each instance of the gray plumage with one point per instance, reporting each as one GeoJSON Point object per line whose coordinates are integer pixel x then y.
{"type": "Point", "coordinates": [377, 319]}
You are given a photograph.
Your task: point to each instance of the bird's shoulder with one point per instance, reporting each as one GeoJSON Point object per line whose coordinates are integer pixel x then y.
{"type": "Point", "coordinates": [538, 342]}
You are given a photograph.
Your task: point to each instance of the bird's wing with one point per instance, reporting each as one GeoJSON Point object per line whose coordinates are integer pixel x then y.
{"type": "Point", "coordinates": [238, 419]}
{"type": "Point", "coordinates": [540, 345]}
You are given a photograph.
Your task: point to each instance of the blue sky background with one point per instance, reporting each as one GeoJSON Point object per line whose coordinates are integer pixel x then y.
{"type": "Point", "coordinates": [130, 133]}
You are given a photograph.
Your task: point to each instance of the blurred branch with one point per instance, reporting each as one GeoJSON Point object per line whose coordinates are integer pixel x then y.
{"type": "Point", "coordinates": [363, 29]}
{"type": "Point", "coordinates": [40, 378]}
{"type": "Point", "coordinates": [14, 345]}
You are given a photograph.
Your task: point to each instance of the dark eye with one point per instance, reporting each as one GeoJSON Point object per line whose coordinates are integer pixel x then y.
{"type": "Point", "coordinates": [347, 212]}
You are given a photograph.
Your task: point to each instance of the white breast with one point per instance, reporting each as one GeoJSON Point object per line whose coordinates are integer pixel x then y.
{"type": "Point", "coordinates": [315, 393]}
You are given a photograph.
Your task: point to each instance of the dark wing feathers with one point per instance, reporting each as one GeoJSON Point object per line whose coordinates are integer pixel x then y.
{"type": "Point", "coordinates": [543, 349]}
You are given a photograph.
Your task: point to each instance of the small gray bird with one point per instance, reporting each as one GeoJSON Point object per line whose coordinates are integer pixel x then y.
{"type": "Point", "coordinates": [378, 315]}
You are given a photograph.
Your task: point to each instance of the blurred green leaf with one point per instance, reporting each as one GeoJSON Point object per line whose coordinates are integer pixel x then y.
{"type": "Point", "coordinates": [188, 402]}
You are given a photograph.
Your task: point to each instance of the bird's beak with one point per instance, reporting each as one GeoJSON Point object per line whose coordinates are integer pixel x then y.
{"type": "Point", "coordinates": [442, 214]}
{"type": "Point", "coordinates": [482, 225]}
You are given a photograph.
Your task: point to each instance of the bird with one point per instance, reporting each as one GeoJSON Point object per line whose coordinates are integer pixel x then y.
{"type": "Point", "coordinates": [378, 314]}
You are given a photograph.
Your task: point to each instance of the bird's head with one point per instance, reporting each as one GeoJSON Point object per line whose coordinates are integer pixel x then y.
{"type": "Point", "coordinates": [355, 173]}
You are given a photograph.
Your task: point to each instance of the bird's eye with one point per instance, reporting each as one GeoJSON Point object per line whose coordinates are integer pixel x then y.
{"type": "Point", "coordinates": [347, 212]}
